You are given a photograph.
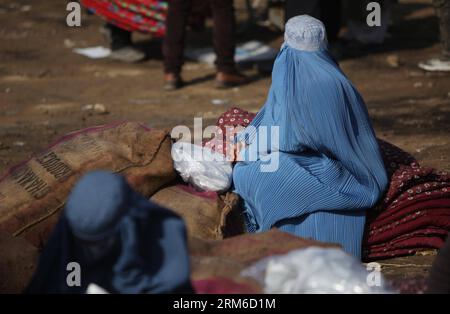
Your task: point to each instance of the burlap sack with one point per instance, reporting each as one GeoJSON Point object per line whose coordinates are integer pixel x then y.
{"type": "Point", "coordinates": [32, 193]}
{"type": "Point", "coordinates": [227, 258]}
{"type": "Point", "coordinates": [207, 215]}
{"type": "Point", "coordinates": [18, 261]}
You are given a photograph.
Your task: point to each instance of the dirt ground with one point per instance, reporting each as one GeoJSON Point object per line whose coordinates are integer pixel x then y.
{"type": "Point", "coordinates": [44, 86]}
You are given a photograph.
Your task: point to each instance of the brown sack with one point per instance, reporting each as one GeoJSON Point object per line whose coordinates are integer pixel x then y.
{"type": "Point", "coordinates": [32, 193]}
{"type": "Point", "coordinates": [207, 215]}
{"type": "Point", "coordinates": [18, 261]}
{"type": "Point", "coordinates": [227, 258]}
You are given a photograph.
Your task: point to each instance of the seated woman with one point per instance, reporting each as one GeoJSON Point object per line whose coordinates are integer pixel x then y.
{"type": "Point", "coordinates": [329, 171]}
{"type": "Point", "coordinates": [121, 242]}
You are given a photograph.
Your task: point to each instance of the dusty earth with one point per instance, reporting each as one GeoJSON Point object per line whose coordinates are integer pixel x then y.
{"type": "Point", "coordinates": [44, 86]}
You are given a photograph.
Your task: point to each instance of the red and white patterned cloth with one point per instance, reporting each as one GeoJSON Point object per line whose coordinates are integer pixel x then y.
{"type": "Point", "coordinates": [147, 16]}
{"type": "Point", "coordinates": [228, 125]}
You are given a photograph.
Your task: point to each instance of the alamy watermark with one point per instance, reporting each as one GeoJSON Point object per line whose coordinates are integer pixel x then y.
{"type": "Point", "coordinates": [73, 18]}
{"type": "Point", "coordinates": [374, 276]}
{"type": "Point", "coordinates": [73, 278]}
{"type": "Point", "coordinates": [374, 17]}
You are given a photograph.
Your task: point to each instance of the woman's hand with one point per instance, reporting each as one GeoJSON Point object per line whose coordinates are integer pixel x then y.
{"type": "Point", "coordinates": [235, 150]}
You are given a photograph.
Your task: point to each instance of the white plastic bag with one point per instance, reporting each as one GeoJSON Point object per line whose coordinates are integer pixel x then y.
{"type": "Point", "coordinates": [314, 270]}
{"type": "Point", "coordinates": [94, 289]}
{"type": "Point", "coordinates": [203, 168]}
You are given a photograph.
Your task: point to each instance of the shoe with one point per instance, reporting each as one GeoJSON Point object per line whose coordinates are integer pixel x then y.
{"type": "Point", "coordinates": [172, 81]}
{"type": "Point", "coordinates": [121, 45]}
{"type": "Point", "coordinates": [231, 79]}
{"type": "Point", "coordinates": [435, 65]}
{"type": "Point", "coordinates": [127, 54]}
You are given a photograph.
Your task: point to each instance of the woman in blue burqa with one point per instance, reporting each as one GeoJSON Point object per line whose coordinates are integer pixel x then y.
{"type": "Point", "coordinates": [121, 242]}
{"type": "Point", "coordinates": [325, 167]}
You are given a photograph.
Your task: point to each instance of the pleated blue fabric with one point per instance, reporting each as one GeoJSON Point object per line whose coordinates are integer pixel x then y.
{"type": "Point", "coordinates": [330, 169]}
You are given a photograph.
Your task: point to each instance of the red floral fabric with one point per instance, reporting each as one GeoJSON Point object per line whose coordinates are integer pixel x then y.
{"type": "Point", "coordinates": [229, 124]}
{"type": "Point", "coordinates": [147, 16]}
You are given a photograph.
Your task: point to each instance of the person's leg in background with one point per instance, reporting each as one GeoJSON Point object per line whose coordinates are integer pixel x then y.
{"type": "Point", "coordinates": [224, 40]}
{"type": "Point", "coordinates": [174, 41]}
{"type": "Point", "coordinates": [442, 8]}
{"type": "Point", "coordinates": [121, 45]}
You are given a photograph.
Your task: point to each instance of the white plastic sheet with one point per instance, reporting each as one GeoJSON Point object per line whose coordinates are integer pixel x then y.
{"type": "Point", "coordinates": [94, 289]}
{"type": "Point", "coordinates": [203, 168]}
{"type": "Point", "coordinates": [252, 51]}
{"type": "Point", "coordinates": [97, 52]}
{"type": "Point", "coordinates": [314, 270]}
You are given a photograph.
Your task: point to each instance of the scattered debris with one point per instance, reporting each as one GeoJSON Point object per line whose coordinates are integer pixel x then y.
{"type": "Point", "coordinates": [26, 8]}
{"type": "Point", "coordinates": [68, 43]}
{"type": "Point", "coordinates": [97, 52]}
{"type": "Point", "coordinates": [19, 143]}
{"type": "Point", "coordinates": [393, 61]}
{"type": "Point", "coordinates": [251, 51]}
{"type": "Point", "coordinates": [95, 108]}
{"type": "Point", "coordinates": [427, 253]}
{"type": "Point", "coordinates": [220, 102]}
{"type": "Point", "coordinates": [144, 101]}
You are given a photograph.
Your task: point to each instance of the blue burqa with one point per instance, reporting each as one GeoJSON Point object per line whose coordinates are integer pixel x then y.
{"type": "Point", "coordinates": [121, 241]}
{"type": "Point", "coordinates": [330, 169]}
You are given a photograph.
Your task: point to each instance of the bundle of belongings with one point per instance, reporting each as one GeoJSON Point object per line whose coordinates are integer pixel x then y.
{"type": "Point", "coordinates": [415, 212]}
{"type": "Point", "coordinates": [32, 193]}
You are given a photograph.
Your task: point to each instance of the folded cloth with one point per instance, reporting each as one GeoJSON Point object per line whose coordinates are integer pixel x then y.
{"type": "Point", "coordinates": [415, 212]}
{"type": "Point", "coordinates": [427, 236]}
{"type": "Point", "coordinates": [147, 16]}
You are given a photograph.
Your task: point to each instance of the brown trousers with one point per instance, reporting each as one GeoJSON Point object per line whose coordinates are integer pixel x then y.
{"type": "Point", "coordinates": [223, 37]}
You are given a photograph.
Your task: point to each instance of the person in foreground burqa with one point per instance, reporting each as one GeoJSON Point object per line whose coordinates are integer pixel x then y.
{"type": "Point", "coordinates": [122, 242]}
